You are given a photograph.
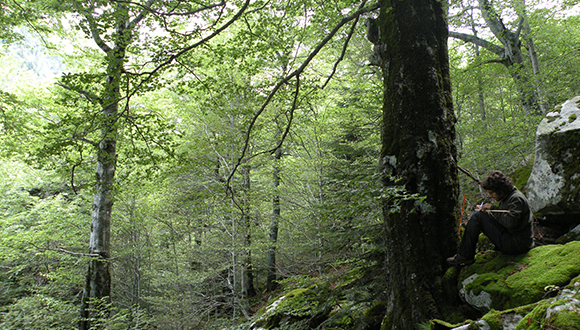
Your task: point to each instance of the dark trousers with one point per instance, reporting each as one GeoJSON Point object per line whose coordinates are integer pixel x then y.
{"type": "Point", "coordinates": [483, 222]}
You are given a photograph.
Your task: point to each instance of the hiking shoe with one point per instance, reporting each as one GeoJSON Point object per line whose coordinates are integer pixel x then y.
{"type": "Point", "coordinates": [458, 260]}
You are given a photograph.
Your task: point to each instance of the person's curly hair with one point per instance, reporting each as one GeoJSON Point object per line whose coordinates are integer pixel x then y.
{"type": "Point", "coordinates": [498, 182]}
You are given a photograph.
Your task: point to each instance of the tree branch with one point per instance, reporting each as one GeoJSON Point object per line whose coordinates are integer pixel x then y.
{"type": "Point", "coordinates": [190, 47]}
{"type": "Point", "coordinates": [469, 174]}
{"type": "Point", "coordinates": [344, 47]}
{"type": "Point", "coordinates": [22, 10]}
{"type": "Point", "coordinates": [492, 19]}
{"type": "Point", "coordinates": [92, 27]}
{"type": "Point", "coordinates": [289, 125]}
{"type": "Point", "coordinates": [84, 93]}
{"type": "Point", "coordinates": [93, 255]}
{"type": "Point", "coordinates": [499, 51]}
{"type": "Point", "coordinates": [293, 74]}
{"type": "Point", "coordinates": [146, 8]}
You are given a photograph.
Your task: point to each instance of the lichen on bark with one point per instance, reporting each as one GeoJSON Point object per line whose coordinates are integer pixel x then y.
{"type": "Point", "coordinates": [417, 139]}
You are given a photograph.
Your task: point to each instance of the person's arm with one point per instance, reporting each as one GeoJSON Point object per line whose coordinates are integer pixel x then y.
{"type": "Point", "coordinates": [512, 218]}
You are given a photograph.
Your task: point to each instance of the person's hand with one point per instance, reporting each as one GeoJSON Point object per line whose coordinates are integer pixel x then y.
{"type": "Point", "coordinates": [485, 207]}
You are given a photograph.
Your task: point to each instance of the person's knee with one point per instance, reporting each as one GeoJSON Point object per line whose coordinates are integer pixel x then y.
{"type": "Point", "coordinates": [476, 217]}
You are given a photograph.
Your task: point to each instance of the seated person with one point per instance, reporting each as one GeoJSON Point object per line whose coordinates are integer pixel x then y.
{"type": "Point", "coordinates": [507, 225]}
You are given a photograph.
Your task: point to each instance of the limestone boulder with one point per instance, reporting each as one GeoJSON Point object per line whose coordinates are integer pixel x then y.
{"type": "Point", "coordinates": [501, 282]}
{"type": "Point", "coordinates": [557, 312]}
{"type": "Point", "coordinates": [553, 188]}
{"type": "Point", "coordinates": [536, 290]}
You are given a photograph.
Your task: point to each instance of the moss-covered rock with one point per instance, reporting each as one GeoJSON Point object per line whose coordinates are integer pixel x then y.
{"type": "Point", "coordinates": [327, 303]}
{"type": "Point", "coordinates": [561, 312]}
{"type": "Point", "coordinates": [302, 308]}
{"type": "Point", "coordinates": [499, 281]}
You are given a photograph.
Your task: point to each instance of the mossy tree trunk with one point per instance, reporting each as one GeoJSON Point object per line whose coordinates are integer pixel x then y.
{"type": "Point", "coordinates": [418, 148]}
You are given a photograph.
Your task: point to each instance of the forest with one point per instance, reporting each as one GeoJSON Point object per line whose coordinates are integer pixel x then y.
{"type": "Point", "coordinates": [171, 164]}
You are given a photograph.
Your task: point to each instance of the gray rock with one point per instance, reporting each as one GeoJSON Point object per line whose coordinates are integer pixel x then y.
{"type": "Point", "coordinates": [572, 235]}
{"type": "Point", "coordinates": [510, 320]}
{"type": "Point", "coordinates": [481, 301]}
{"type": "Point", "coordinates": [554, 184]}
{"type": "Point", "coordinates": [480, 325]}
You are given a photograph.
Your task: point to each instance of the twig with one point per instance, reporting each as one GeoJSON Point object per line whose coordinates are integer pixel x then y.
{"type": "Point", "coordinates": [469, 174]}
{"type": "Point", "coordinates": [94, 255]}
{"type": "Point", "coordinates": [84, 93]}
{"type": "Point", "coordinates": [344, 48]}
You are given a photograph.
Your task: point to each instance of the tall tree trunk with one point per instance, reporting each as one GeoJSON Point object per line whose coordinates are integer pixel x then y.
{"type": "Point", "coordinates": [533, 57]}
{"type": "Point", "coordinates": [248, 289]}
{"type": "Point", "coordinates": [97, 291]}
{"type": "Point", "coordinates": [273, 238]}
{"type": "Point", "coordinates": [418, 149]}
{"type": "Point", "coordinates": [98, 278]}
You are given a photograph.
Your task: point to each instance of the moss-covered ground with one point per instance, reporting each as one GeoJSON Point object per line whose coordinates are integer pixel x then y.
{"type": "Point", "coordinates": [521, 280]}
{"type": "Point", "coordinates": [346, 300]}
{"type": "Point", "coordinates": [539, 289]}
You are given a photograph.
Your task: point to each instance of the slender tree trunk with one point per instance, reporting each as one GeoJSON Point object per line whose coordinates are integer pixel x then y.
{"type": "Point", "coordinates": [97, 289]}
{"type": "Point", "coordinates": [534, 60]}
{"type": "Point", "coordinates": [248, 289]}
{"type": "Point", "coordinates": [98, 279]}
{"type": "Point", "coordinates": [480, 94]}
{"type": "Point", "coordinates": [418, 149]}
{"type": "Point", "coordinates": [273, 238]}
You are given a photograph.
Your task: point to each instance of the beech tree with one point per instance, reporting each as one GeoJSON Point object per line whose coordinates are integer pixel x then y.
{"type": "Point", "coordinates": [137, 41]}
{"type": "Point", "coordinates": [510, 52]}
{"type": "Point", "coordinates": [418, 152]}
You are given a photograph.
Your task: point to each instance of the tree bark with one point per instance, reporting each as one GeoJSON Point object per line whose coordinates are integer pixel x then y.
{"type": "Point", "coordinates": [248, 289]}
{"type": "Point", "coordinates": [418, 150]}
{"type": "Point", "coordinates": [480, 87]}
{"type": "Point", "coordinates": [533, 58]}
{"type": "Point", "coordinates": [97, 291]}
{"type": "Point", "coordinates": [98, 279]}
{"type": "Point", "coordinates": [271, 284]}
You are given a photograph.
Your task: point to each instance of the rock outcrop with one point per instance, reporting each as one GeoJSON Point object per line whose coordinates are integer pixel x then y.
{"type": "Point", "coordinates": [536, 290]}
{"type": "Point", "coordinates": [553, 188]}
{"type": "Point", "coordinates": [498, 281]}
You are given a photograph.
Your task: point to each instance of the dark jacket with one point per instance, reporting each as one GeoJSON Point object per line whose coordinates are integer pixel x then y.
{"type": "Point", "coordinates": [519, 219]}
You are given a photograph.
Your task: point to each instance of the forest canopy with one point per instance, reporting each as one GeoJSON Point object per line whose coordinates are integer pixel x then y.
{"type": "Point", "coordinates": [199, 156]}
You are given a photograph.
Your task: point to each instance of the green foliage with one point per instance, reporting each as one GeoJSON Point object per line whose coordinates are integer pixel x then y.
{"type": "Point", "coordinates": [520, 177]}
{"type": "Point", "coordinates": [39, 312]}
{"type": "Point", "coordinates": [42, 224]}
{"type": "Point", "coordinates": [107, 316]}
{"type": "Point", "coordinates": [178, 239]}
{"type": "Point", "coordinates": [493, 131]}
{"type": "Point", "coordinates": [16, 122]}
